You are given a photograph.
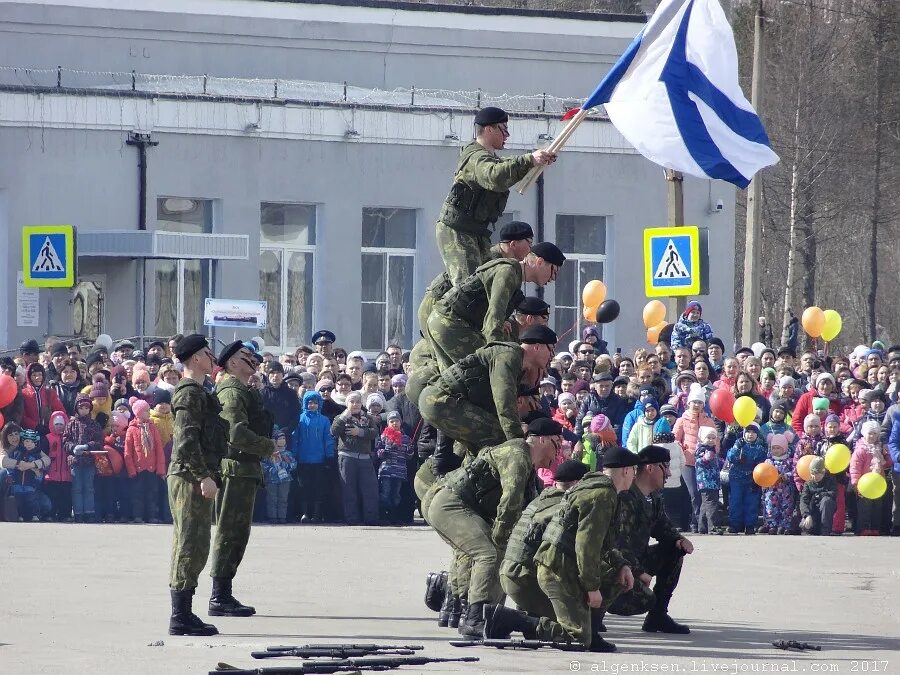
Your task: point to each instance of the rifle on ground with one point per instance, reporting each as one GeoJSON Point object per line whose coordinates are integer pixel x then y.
{"type": "Point", "coordinates": [327, 667]}
{"type": "Point", "coordinates": [794, 646]}
{"type": "Point", "coordinates": [344, 645]}
{"type": "Point", "coordinates": [333, 652]}
{"type": "Point", "coordinates": [520, 644]}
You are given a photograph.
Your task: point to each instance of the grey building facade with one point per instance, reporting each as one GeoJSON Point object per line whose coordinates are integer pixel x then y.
{"type": "Point", "coordinates": [323, 207]}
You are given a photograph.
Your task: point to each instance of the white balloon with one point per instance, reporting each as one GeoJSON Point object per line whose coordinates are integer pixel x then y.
{"type": "Point", "coordinates": [105, 341]}
{"type": "Point", "coordinates": [757, 348]}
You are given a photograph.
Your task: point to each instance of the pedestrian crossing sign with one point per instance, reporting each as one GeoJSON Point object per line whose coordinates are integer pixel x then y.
{"type": "Point", "coordinates": [672, 261]}
{"type": "Point", "coordinates": [48, 256]}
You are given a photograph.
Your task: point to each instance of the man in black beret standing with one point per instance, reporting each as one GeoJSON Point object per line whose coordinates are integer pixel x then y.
{"type": "Point", "coordinates": [249, 441]}
{"type": "Point", "coordinates": [479, 192]}
{"type": "Point", "coordinates": [199, 439]}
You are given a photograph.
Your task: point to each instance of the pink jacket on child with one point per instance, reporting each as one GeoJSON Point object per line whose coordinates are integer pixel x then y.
{"type": "Point", "coordinates": [864, 458]}
{"type": "Point", "coordinates": [686, 430]}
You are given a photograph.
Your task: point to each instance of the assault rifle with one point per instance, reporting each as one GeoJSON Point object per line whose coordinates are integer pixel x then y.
{"type": "Point", "coordinates": [794, 646]}
{"type": "Point", "coordinates": [344, 665]}
{"type": "Point", "coordinates": [345, 651]}
{"type": "Point", "coordinates": [520, 644]}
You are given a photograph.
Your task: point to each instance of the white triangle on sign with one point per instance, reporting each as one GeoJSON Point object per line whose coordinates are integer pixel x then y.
{"type": "Point", "coordinates": [671, 266]}
{"type": "Point", "coordinates": [47, 259]}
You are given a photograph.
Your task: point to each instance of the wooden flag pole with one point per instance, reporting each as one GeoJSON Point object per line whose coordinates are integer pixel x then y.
{"type": "Point", "coordinates": [555, 146]}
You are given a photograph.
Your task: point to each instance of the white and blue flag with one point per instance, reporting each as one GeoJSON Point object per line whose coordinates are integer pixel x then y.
{"type": "Point", "coordinates": [674, 94]}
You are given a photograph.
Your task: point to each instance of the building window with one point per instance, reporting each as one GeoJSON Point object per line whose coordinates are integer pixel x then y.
{"type": "Point", "coordinates": [583, 240]}
{"type": "Point", "coordinates": [181, 286]}
{"type": "Point", "coordinates": [287, 250]}
{"type": "Point", "coordinates": [388, 265]}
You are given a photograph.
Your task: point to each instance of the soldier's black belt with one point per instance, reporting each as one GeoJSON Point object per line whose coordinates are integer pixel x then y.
{"type": "Point", "coordinates": [241, 456]}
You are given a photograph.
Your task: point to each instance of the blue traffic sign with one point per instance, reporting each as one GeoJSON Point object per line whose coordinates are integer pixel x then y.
{"type": "Point", "coordinates": [672, 261]}
{"type": "Point", "coordinates": [48, 256]}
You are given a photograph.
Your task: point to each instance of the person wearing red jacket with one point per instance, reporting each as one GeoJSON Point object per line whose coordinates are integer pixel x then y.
{"type": "Point", "coordinates": [58, 479]}
{"type": "Point", "coordinates": [823, 388]}
{"type": "Point", "coordinates": [110, 466]}
{"type": "Point", "coordinates": [145, 462]}
{"type": "Point", "coordinates": [39, 401]}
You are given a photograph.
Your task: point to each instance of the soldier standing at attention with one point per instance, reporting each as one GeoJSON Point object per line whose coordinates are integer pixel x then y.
{"type": "Point", "coordinates": [199, 442]}
{"type": "Point", "coordinates": [249, 440]}
{"type": "Point", "coordinates": [479, 192]}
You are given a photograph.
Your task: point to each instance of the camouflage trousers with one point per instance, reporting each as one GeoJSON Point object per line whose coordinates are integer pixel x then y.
{"type": "Point", "coordinates": [451, 339]}
{"type": "Point", "coordinates": [662, 561]}
{"type": "Point", "coordinates": [469, 533]}
{"type": "Point", "coordinates": [192, 521]}
{"type": "Point", "coordinates": [235, 515]}
{"type": "Point", "coordinates": [425, 370]}
{"type": "Point", "coordinates": [459, 574]}
{"type": "Point", "coordinates": [459, 419]}
{"type": "Point", "coordinates": [569, 602]}
{"type": "Point", "coordinates": [462, 252]}
{"type": "Point", "coordinates": [521, 585]}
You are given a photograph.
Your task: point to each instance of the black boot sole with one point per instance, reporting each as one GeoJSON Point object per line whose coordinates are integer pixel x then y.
{"type": "Point", "coordinates": [229, 612]}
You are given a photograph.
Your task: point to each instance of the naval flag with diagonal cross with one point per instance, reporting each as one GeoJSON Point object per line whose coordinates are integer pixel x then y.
{"type": "Point", "coordinates": [674, 94]}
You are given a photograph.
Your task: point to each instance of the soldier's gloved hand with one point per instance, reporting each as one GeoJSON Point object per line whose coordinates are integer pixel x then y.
{"type": "Point", "coordinates": [208, 488]}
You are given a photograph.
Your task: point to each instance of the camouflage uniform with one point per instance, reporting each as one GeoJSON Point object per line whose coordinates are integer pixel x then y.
{"type": "Point", "coordinates": [199, 441]}
{"type": "Point", "coordinates": [476, 200]}
{"type": "Point", "coordinates": [518, 575]}
{"type": "Point", "coordinates": [475, 507]}
{"type": "Point", "coordinates": [249, 441]}
{"type": "Point", "coordinates": [638, 518]}
{"type": "Point", "coordinates": [576, 557]}
{"type": "Point", "coordinates": [459, 574]}
{"type": "Point", "coordinates": [474, 401]}
{"type": "Point", "coordinates": [474, 312]}
{"type": "Point", "coordinates": [424, 370]}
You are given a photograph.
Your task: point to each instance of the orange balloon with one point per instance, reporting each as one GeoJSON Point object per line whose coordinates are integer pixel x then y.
{"type": "Point", "coordinates": [590, 314]}
{"type": "Point", "coordinates": [654, 313]}
{"type": "Point", "coordinates": [803, 466]}
{"type": "Point", "coordinates": [765, 475]}
{"type": "Point", "coordinates": [813, 321]}
{"type": "Point", "coordinates": [654, 331]}
{"type": "Point", "coordinates": [594, 294]}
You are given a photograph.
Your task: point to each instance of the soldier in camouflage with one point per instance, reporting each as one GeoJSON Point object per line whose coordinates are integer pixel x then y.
{"type": "Point", "coordinates": [475, 508]}
{"type": "Point", "coordinates": [249, 441]}
{"type": "Point", "coordinates": [199, 443]}
{"type": "Point", "coordinates": [577, 567]}
{"type": "Point", "coordinates": [479, 193]}
{"type": "Point", "coordinates": [518, 575]}
{"type": "Point", "coordinates": [641, 515]}
{"type": "Point", "coordinates": [475, 311]}
{"type": "Point", "coordinates": [532, 311]}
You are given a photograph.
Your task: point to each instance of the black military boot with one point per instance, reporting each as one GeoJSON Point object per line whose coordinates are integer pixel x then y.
{"type": "Point", "coordinates": [500, 621]}
{"type": "Point", "coordinates": [659, 621]}
{"type": "Point", "coordinates": [446, 609]}
{"type": "Point", "coordinates": [223, 603]}
{"type": "Point", "coordinates": [472, 624]}
{"type": "Point", "coordinates": [457, 611]}
{"type": "Point", "coordinates": [598, 644]}
{"type": "Point", "coordinates": [183, 621]}
{"type": "Point", "coordinates": [597, 625]}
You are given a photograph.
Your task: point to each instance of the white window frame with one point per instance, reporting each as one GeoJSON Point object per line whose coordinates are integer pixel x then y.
{"type": "Point", "coordinates": [389, 252]}
{"type": "Point", "coordinates": [577, 259]}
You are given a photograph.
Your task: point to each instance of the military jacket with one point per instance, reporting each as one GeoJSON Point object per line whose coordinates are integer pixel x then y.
{"type": "Point", "coordinates": [529, 530]}
{"type": "Point", "coordinates": [441, 283]}
{"type": "Point", "coordinates": [487, 298]}
{"type": "Point", "coordinates": [480, 188]}
{"type": "Point", "coordinates": [489, 378]}
{"type": "Point", "coordinates": [497, 485]}
{"type": "Point", "coordinates": [638, 518]}
{"type": "Point", "coordinates": [577, 543]}
{"type": "Point", "coordinates": [199, 434]}
{"type": "Point", "coordinates": [250, 428]}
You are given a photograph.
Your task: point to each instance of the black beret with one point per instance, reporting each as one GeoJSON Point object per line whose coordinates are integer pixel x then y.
{"type": "Point", "coordinates": [189, 345]}
{"type": "Point", "coordinates": [228, 351]}
{"type": "Point", "coordinates": [93, 357]}
{"type": "Point", "coordinates": [323, 336]}
{"type": "Point", "coordinates": [516, 231]}
{"type": "Point", "coordinates": [275, 367]}
{"type": "Point", "coordinates": [654, 454]}
{"type": "Point", "coordinates": [161, 396]}
{"type": "Point", "coordinates": [156, 343]}
{"type": "Point", "coordinates": [716, 341]}
{"type": "Point", "coordinates": [533, 305]}
{"type": "Point", "coordinates": [569, 471]}
{"type": "Point", "coordinates": [59, 348]}
{"type": "Point", "coordinates": [544, 426]}
{"type": "Point", "coordinates": [30, 347]}
{"type": "Point", "coordinates": [538, 335]}
{"type": "Point", "coordinates": [618, 457]}
{"type": "Point", "coordinates": [744, 350]}
{"type": "Point", "coordinates": [491, 115]}
{"type": "Point", "coordinates": [533, 415]}
{"type": "Point", "coordinates": [549, 252]}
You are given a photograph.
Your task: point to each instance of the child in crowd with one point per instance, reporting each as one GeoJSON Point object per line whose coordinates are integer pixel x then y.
{"type": "Point", "coordinates": [122, 406]}
{"type": "Point", "coordinates": [313, 446]}
{"type": "Point", "coordinates": [779, 499]}
{"type": "Point", "coordinates": [58, 479]}
{"type": "Point", "coordinates": [394, 449]}
{"type": "Point", "coordinates": [779, 424]}
{"type": "Point", "coordinates": [30, 464]}
{"type": "Point", "coordinates": [873, 410]}
{"type": "Point", "coordinates": [834, 436]}
{"type": "Point", "coordinates": [686, 430]}
{"type": "Point", "coordinates": [744, 493]}
{"type": "Point", "coordinates": [145, 462]}
{"type": "Point", "coordinates": [162, 418]}
{"type": "Point", "coordinates": [817, 500]}
{"type": "Point", "coordinates": [675, 495]}
{"type": "Point", "coordinates": [101, 404]}
{"type": "Point", "coordinates": [870, 455]}
{"type": "Point", "coordinates": [690, 327]}
{"type": "Point", "coordinates": [809, 443]}
{"type": "Point", "coordinates": [708, 466]}
{"type": "Point", "coordinates": [641, 434]}
{"type": "Point", "coordinates": [82, 437]}
{"type": "Point", "coordinates": [109, 465]}
{"type": "Point", "coordinates": [278, 470]}
{"type": "Point", "coordinates": [566, 411]}
{"type": "Point", "coordinates": [115, 446]}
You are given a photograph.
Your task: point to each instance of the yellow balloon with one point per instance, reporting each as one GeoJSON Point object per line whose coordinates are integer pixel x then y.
{"type": "Point", "coordinates": [654, 331]}
{"type": "Point", "coordinates": [744, 410]}
{"type": "Point", "coordinates": [654, 313]}
{"type": "Point", "coordinates": [837, 458]}
{"type": "Point", "coordinates": [833, 325]}
{"type": "Point", "coordinates": [872, 485]}
{"type": "Point", "coordinates": [813, 321]}
{"type": "Point", "coordinates": [594, 293]}
{"type": "Point", "coordinates": [589, 313]}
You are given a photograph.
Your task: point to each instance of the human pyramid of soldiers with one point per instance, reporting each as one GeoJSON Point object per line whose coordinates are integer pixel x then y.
{"type": "Point", "coordinates": [573, 552]}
